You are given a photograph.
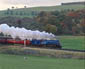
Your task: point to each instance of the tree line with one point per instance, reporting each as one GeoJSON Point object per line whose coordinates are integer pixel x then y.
{"type": "Point", "coordinates": [68, 22]}
{"type": "Point", "coordinates": [20, 13]}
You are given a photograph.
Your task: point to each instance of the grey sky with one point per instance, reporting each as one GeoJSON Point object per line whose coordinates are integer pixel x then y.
{"type": "Point", "coordinates": [32, 3]}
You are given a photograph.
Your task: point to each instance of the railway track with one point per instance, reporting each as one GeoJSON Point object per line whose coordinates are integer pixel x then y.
{"type": "Point", "coordinates": [73, 50]}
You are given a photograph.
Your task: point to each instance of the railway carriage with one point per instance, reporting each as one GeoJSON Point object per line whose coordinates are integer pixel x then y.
{"type": "Point", "coordinates": [32, 43]}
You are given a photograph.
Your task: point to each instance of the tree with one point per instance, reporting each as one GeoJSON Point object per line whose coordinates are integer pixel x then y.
{"type": "Point", "coordinates": [16, 13]}
{"type": "Point", "coordinates": [82, 23]}
{"type": "Point", "coordinates": [32, 13]}
{"type": "Point", "coordinates": [11, 12]}
{"type": "Point", "coordinates": [56, 13]}
{"type": "Point", "coordinates": [25, 6]}
{"type": "Point", "coordinates": [51, 28]}
{"type": "Point", "coordinates": [19, 22]}
{"type": "Point", "coordinates": [21, 13]}
{"type": "Point", "coordinates": [12, 7]}
{"type": "Point", "coordinates": [8, 11]}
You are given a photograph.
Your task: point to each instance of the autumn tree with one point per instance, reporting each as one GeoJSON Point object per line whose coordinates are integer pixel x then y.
{"type": "Point", "coordinates": [51, 28]}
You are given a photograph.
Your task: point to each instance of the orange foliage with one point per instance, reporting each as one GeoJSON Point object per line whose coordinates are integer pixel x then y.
{"type": "Point", "coordinates": [73, 14]}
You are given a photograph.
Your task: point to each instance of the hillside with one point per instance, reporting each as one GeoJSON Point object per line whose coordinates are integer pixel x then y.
{"type": "Point", "coordinates": [30, 12]}
{"type": "Point", "coordinates": [28, 23]}
{"type": "Point", "coordinates": [58, 20]}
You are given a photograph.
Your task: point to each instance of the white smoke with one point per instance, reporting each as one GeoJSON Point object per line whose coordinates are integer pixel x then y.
{"type": "Point", "coordinates": [23, 33]}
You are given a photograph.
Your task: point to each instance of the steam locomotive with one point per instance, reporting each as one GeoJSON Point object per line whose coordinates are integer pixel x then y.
{"type": "Point", "coordinates": [32, 43]}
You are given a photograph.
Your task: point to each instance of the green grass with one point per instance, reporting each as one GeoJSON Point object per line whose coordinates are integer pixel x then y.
{"type": "Point", "coordinates": [38, 9]}
{"type": "Point", "coordinates": [73, 42]}
{"type": "Point", "coordinates": [18, 62]}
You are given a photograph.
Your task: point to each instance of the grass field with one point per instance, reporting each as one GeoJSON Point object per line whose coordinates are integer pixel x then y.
{"type": "Point", "coordinates": [18, 62]}
{"type": "Point", "coordinates": [73, 42]}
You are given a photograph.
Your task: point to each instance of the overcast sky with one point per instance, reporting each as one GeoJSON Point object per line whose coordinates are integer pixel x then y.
{"type": "Point", "coordinates": [4, 4]}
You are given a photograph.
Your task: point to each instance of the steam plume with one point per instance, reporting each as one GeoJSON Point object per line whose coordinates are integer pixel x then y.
{"type": "Point", "coordinates": [22, 33]}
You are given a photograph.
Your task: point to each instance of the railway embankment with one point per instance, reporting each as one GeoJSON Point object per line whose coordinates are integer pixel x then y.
{"type": "Point", "coordinates": [16, 50]}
